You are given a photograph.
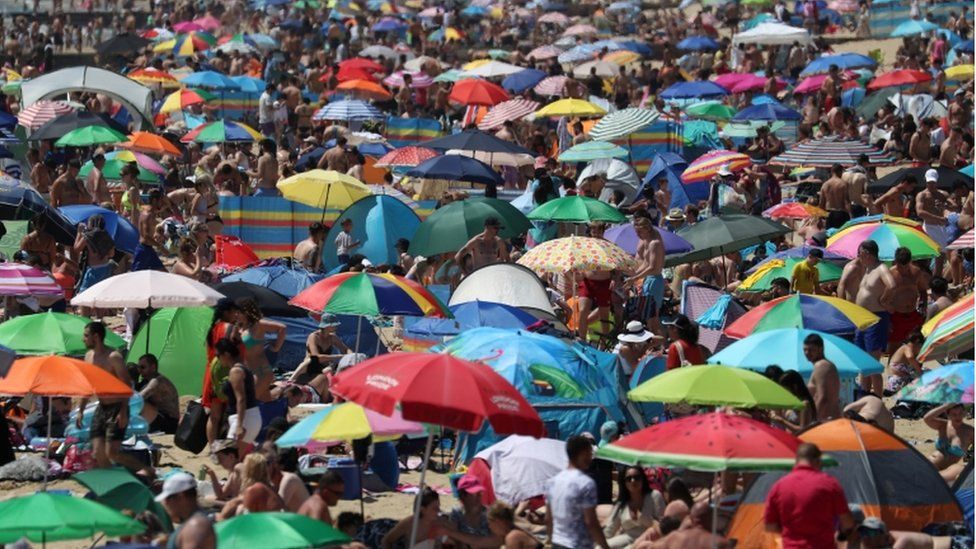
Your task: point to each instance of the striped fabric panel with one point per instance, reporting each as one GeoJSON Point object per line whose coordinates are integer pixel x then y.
{"type": "Point", "coordinates": [401, 132]}
{"type": "Point", "coordinates": [885, 17]}
{"type": "Point", "coordinates": [661, 136]}
{"type": "Point", "coordinates": [21, 280]}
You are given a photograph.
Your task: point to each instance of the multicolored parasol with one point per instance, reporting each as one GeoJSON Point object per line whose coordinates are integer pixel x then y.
{"type": "Point", "coordinates": [812, 312]}
{"type": "Point", "coordinates": [706, 167]}
{"type": "Point", "coordinates": [888, 236]}
{"type": "Point", "coordinates": [577, 253]}
{"type": "Point", "coordinates": [369, 294]}
{"type": "Point", "coordinates": [950, 332]}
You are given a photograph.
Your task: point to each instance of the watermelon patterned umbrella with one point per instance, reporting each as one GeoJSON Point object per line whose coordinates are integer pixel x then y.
{"type": "Point", "coordinates": [370, 294]}
{"type": "Point", "coordinates": [812, 312]}
{"type": "Point", "coordinates": [888, 236]}
{"type": "Point", "coordinates": [706, 166]}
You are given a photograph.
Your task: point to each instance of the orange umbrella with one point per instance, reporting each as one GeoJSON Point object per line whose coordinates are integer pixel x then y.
{"type": "Point", "coordinates": [60, 376]}
{"type": "Point", "coordinates": [474, 91]}
{"type": "Point", "coordinates": [366, 89]}
{"type": "Point", "coordinates": [154, 76]}
{"type": "Point", "coordinates": [150, 143]}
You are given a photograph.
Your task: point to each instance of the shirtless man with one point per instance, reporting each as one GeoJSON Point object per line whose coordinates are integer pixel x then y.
{"type": "Point", "coordinates": [39, 243]}
{"type": "Point", "coordinates": [695, 532]}
{"type": "Point", "coordinates": [959, 112]}
{"type": "Point", "coordinates": [266, 173]}
{"type": "Point", "coordinates": [875, 284]}
{"type": "Point", "coordinates": [67, 190]}
{"type": "Point", "coordinates": [835, 199]}
{"type": "Point", "coordinates": [872, 409]}
{"type": "Point", "coordinates": [891, 202]}
{"type": "Point", "coordinates": [824, 382]}
{"type": "Point", "coordinates": [949, 152]}
{"type": "Point", "coordinates": [650, 265]}
{"type": "Point", "coordinates": [662, 198]}
{"type": "Point", "coordinates": [145, 257]}
{"type": "Point", "coordinates": [725, 270]}
{"type": "Point", "coordinates": [830, 90]}
{"type": "Point", "coordinates": [485, 248]}
{"type": "Point", "coordinates": [308, 252]}
{"type": "Point", "coordinates": [112, 414]}
{"type": "Point", "coordinates": [330, 490]}
{"type": "Point", "coordinates": [920, 146]}
{"type": "Point", "coordinates": [335, 158]}
{"type": "Point", "coordinates": [95, 183]}
{"type": "Point", "coordinates": [905, 298]}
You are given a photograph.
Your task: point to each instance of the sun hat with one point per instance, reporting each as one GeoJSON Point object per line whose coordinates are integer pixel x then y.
{"type": "Point", "coordinates": [675, 214]}
{"type": "Point", "coordinates": [724, 170]}
{"type": "Point", "coordinates": [635, 333]}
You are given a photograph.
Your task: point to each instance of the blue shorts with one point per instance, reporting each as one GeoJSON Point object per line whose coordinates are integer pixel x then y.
{"type": "Point", "coordinates": [874, 338]}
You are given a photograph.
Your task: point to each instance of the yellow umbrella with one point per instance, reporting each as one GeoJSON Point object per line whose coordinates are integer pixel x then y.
{"type": "Point", "coordinates": [570, 107]}
{"type": "Point", "coordinates": [475, 64]}
{"type": "Point", "coordinates": [959, 72]}
{"type": "Point", "coordinates": [621, 57]}
{"type": "Point", "coordinates": [323, 188]}
{"type": "Point", "coordinates": [577, 253]}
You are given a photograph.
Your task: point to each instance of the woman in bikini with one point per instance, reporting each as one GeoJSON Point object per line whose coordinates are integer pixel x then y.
{"type": "Point", "coordinates": [955, 437]}
{"type": "Point", "coordinates": [904, 362]}
{"type": "Point", "coordinates": [254, 331]}
{"type": "Point", "coordinates": [205, 205]}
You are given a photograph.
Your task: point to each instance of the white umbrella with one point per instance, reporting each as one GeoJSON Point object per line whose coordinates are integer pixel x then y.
{"type": "Point", "coordinates": [920, 105]}
{"type": "Point", "coordinates": [620, 176]}
{"type": "Point", "coordinates": [380, 51]}
{"type": "Point", "coordinates": [773, 34]}
{"type": "Point", "coordinates": [237, 47]}
{"type": "Point", "coordinates": [147, 289]}
{"type": "Point", "coordinates": [521, 466]}
{"type": "Point", "coordinates": [494, 69]}
{"type": "Point", "coordinates": [496, 158]}
{"type": "Point", "coordinates": [604, 69]}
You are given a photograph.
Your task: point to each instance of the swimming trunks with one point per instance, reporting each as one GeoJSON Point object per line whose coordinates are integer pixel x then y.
{"type": "Point", "coordinates": [597, 290]}
{"type": "Point", "coordinates": [874, 338]}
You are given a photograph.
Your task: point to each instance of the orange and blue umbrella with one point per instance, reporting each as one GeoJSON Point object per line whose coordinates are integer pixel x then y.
{"type": "Point", "coordinates": [370, 294]}
{"type": "Point", "coordinates": [888, 236]}
{"type": "Point", "coordinates": [949, 384]}
{"type": "Point", "coordinates": [812, 312]}
{"type": "Point", "coordinates": [950, 332]}
{"type": "Point", "coordinates": [222, 131]}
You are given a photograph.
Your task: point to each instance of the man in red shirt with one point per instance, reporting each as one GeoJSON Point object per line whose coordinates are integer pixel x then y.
{"type": "Point", "coordinates": [804, 507]}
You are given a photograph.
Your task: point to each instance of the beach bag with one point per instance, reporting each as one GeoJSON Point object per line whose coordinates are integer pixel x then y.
{"type": "Point", "coordinates": [730, 201]}
{"type": "Point", "coordinates": [191, 433]}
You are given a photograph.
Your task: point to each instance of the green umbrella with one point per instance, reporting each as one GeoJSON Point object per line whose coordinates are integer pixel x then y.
{"type": "Point", "coordinates": [715, 386]}
{"type": "Point", "coordinates": [452, 75]}
{"type": "Point", "coordinates": [747, 128]}
{"type": "Point", "coordinates": [592, 150]}
{"type": "Point", "coordinates": [449, 228]}
{"type": "Point", "coordinates": [302, 4]}
{"type": "Point", "coordinates": [724, 234]}
{"type": "Point", "coordinates": [118, 489]}
{"type": "Point", "coordinates": [499, 54]}
{"type": "Point", "coordinates": [113, 171]}
{"type": "Point", "coordinates": [577, 209]}
{"type": "Point", "coordinates": [50, 334]}
{"type": "Point", "coordinates": [90, 135]}
{"type": "Point", "coordinates": [276, 531]}
{"type": "Point", "coordinates": [710, 110]}
{"type": "Point", "coordinates": [45, 517]}
{"type": "Point", "coordinates": [178, 339]}
{"type": "Point", "coordinates": [761, 279]}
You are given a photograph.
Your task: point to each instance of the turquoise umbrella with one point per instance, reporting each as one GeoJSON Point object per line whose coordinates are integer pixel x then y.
{"type": "Point", "coordinates": [592, 150]}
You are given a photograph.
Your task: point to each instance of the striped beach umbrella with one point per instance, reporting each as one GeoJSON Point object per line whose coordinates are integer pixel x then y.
{"type": "Point", "coordinates": [794, 210]}
{"type": "Point", "coordinates": [513, 109]}
{"type": "Point", "coordinates": [365, 89]}
{"type": "Point", "coordinates": [706, 167]}
{"type": "Point", "coordinates": [184, 98]}
{"type": "Point", "coordinates": [141, 160]}
{"type": "Point", "coordinates": [42, 112]}
{"type": "Point", "coordinates": [370, 294]}
{"type": "Point", "coordinates": [554, 18]}
{"type": "Point", "coordinates": [544, 52]}
{"type": "Point", "coordinates": [350, 109]}
{"type": "Point", "coordinates": [188, 44]}
{"type": "Point", "coordinates": [551, 86]}
{"type": "Point", "coordinates": [19, 280]}
{"type": "Point", "coordinates": [417, 79]}
{"type": "Point", "coordinates": [826, 152]}
{"type": "Point", "coordinates": [761, 279]}
{"type": "Point", "coordinates": [405, 157]}
{"type": "Point", "coordinates": [812, 312]}
{"type": "Point", "coordinates": [950, 332]}
{"type": "Point", "coordinates": [581, 29]}
{"type": "Point", "coordinates": [952, 383]}
{"type": "Point", "coordinates": [623, 123]}
{"type": "Point", "coordinates": [888, 236]}
{"type": "Point", "coordinates": [222, 131]}
{"type": "Point", "coordinates": [964, 242]}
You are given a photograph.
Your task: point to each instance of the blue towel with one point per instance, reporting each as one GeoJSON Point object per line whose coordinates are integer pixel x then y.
{"type": "Point", "coordinates": [714, 317]}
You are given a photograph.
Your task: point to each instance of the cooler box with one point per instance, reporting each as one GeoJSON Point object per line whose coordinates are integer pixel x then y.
{"type": "Point", "coordinates": [349, 471]}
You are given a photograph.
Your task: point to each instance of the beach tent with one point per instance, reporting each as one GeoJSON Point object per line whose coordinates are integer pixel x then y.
{"type": "Point", "coordinates": [507, 283]}
{"type": "Point", "coordinates": [670, 165]}
{"type": "Point", "coordinates": [177, 336]}
{"type": "Point", "coordinates": [879, 471]}
{"type": "Point", "coordinates": [378, 221]}
{"type": "Point", "coordinates": [963, 488]}
{"type": "Point", "coordinates": [135, 97]}
{"type": "Point", "coordinates": [773, 34]}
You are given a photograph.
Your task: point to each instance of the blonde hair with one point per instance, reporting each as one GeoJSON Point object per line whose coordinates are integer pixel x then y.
{"type": "Point", "coordinates": [255, 471]}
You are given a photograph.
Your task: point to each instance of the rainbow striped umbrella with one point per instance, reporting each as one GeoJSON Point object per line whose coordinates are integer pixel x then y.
{"type": "Point", "coordinates": [888, 236]}
{"type": "Point", "coordinates": [370, 294]}
{"type": "Point", "coordinates": [186, 45]}
{"type": "Point", "coordinates": [17, 279]}
{"type": "Point", "coordinates": [877, 218]}
{"type": "Point", "coordinates": [811, 312]}
{"type": "Point", "coordinates": [346, 422]}
{"type": "Point", "coordinates": [184, 98]}
{"type": "Point", "coordinates": [950, 332]}
{"type": "Point", "coordinates": [222, 131]}
{"type": "Point", "coordinates": [950, 383]}
{"type": "Point", "coordinates": [142, 160]}
{"type": "Point", "coordinates": [706, 166]}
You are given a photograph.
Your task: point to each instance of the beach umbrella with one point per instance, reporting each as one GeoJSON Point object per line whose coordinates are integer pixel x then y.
{"type": "Point", "coordinates": [120, 490]}
{"type": "Point", "coordinates": [222, 131]}
{"type": "Point", "coordinates": [184, 98]}
{"type": "Point", "coordinates": [964, 242]}
{"type": "Point", "coordinates": [576, 254]}
{"type": "Point", "coordinates": [44, 517]}
{"type": "Point", "coordinates": [888, 236]}
{"type": "Point", "coordinates": [123, 233]}
{"type": "Point", "coordinates": [551, 86]}
{"type": "Point", "coordinates": [522, 80]}
{"type": "Point", "coordinates": [521, 467]}
{"type": "Point", "coordinates": [323, 189]}
{"type": "Point", "coordinates": [912, 27]}
{"type": "Point", "coordinates": [374, 51]}
{"type": "Point", "coordinates": [21, 280]}
{"type": "Point", "coordinates": [705, 167]}
{"type": "Point", "coordinates": [710, 110]}
{"type": "Point", "coordinates": [475, 314]}
{"type": "Point", "coordinates": [123, 44]}
{"type": "Point", "coordinates": [417, 79]}
{"type": "Point", "coordinates": [949, 332]}
{"type": "Point", "coordinates": [603, 69]}
{"type": "Point", "coordinates": [449, 228]}
{"type": "Point", "coordinates": [451, 75]}
{"type": "Point", "coordinates": [186, 45]}
{"type": "Point", "coordinates": [208, 23]}
{"type": "Point", "coordinates": [150, 143]}
{"type": "Point", "coordinates": [405, 157]}
{"type": "Point", "coordinates": [626, 237]}
{"type": "Point", "coordinates": [827, 151]}
{"type": "Point", "coordinates": [22, 202]}
{"type": "Point", "coordinates": [544, 52]}
{"type": "Point", "coordinates": [767, 111]}
{"type": "Point", "coordinates": [513, 109]}
{"type": "Point", "coordinates": [112, 171]}
{"type": "Point", "coordinates": [952, 383]}
{"type": "Point", "coordinates": [210, 80]}
{"type": "Point", "coordinates": [699, 43]}
{"type": "Point", "coordinates": [42, 112]}
{"type": "Point", "coordinates": [389, 24]}
{"type": "Point", "coordinates": [366, 89]}
{"type": "Point", "coordinates": [89, 136]}
{"type": "Point", "coordinates": [283, 279]}
{"type": "Point", "coordinates": [813, 312]}
{"type": "Point", "coordinates": [484, 147]}
{"type": "Point", "coordinates": [710, 442]}
{"type": "Point", "coordinates": [879, 218]}
{"type": "Point", "coordinates": [723, 234]}
{"type": "Point", "coordinates": [761, 279]}
{"type": "Point", "coordinates": [362, 63]}
{"type": "Point", "coordinates": [454, 167]}
{"type": "Point", "coordinates": [270, 302]}
{"type": "Point", "coordinates": [249, 85]}
{"type": "Point", "coordinates": [794, 210]}
{"type": "Point", "coordinates": [445, 34]}
{"type": "Point", "coordinates": [154, 76]}
{"type": "Point", "coordinates": [581, 29]}
{"type": "Point", "coordinates": [554, 18]}
{"type": "Point", "coordinates": [622, 123]}
{"type": "Point", "coordinates": [570, 107]}
{"type": "Point", "coordinates": [141, 160]}
{"type": "Point", "coordinates": [714, 385]}
{"type": "Point", "coordinates": [146, 289]}
{"type": "Point", "coordinates": [62, 125]}
{"type": "Point", "coordinates": [345, 422]}
{"type": "Point", "coordinates": [348, 110]}
{"type": "Point", "coordinates": [238, 47]}
{"type": "Point", "coordinates": [177, 337]}
{"type": "Point", "coordinates": [187, 26]}
{"type": "Point", "coordinates": [276, 531]}
{"type": "Point", "coordinates": [495, 69]}
{"type": "Point", "coordinates": [753, 82]}
{"type": "Point", "coordinates": [348, 73]}
{"type": "Point", "coordinates": [592, 150]}
{"type": "Point", "coordinates": [577, 209]}
{"type": "Point", "coordinates": [784, 347]}
{"type": "Point", "coordinates": [622, 57]}
{"type": "Point", "coordinates": [843, 60]}
{"type": "Point", "coordinates": [699, 89]}
{"type": "Point", "coordinates": [948, 178]}
{"type": "Point", "coordinates": [900, 77]}
{"type": "Point", "coordinates": [960, 72]}
{"type": "Point", "coordinates": [475, 91]}
{"type": "Point", "coordinates": [369, 294]}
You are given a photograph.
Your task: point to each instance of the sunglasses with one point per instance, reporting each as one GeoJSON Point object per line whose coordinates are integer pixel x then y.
{"type": "Point", "coordinates": [632, 478]}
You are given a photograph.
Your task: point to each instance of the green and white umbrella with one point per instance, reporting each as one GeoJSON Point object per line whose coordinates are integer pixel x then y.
{"type": "Point", "coordinates": [623, 123]}
{"type": "Point", "coordinates": [592, 150]}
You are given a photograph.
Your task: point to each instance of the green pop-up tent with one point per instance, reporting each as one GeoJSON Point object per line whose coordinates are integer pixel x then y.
{"type": "Point", "coordinates": [177, 336]}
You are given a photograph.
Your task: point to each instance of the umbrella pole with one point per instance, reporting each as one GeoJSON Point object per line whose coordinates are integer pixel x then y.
{"type": "Point", "coordinates": [362, 505]}
{"type": "Point", "coordinates": [148, 327]}
{"type": "Point", "coordinates": [420, 493]}
{"type": "Point", "coordinates": [47, 443]}
{"type": "Point", "coordinates": [714, 510]}
{"type": "Point", "coordinates": [359, 327]}
{"type": "Point", "coordinates": [325, 205]}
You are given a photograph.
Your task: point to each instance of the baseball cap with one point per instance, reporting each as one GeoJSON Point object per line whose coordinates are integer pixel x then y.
{"type": "Point", "coordinates": [470, 484]}
{"type": "Point", "coordinates": [177, 483]}
{"type": "Point", "coordinates": [931, 175]}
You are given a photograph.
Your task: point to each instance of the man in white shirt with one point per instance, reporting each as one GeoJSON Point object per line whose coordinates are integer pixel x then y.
{"type": "Point", "coordinates": [344, 241]}
{"type": "Point", "coordinates": [571, 500]}
{"type": "Point", "coordinates": [266, 111]}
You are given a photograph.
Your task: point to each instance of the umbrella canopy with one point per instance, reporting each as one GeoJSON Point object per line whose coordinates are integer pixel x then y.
{"type": "Point", "coordinates": [570, 107]}
{"type": "Point", "coordinates": [523, 80]}
{"type": "Point", "coordinates": [843, 60]}
{"type": "Point", "coordinates": [184, 98]}
{"type": "Point", "coordinates": [369, 294]}
{"type": "Point", "coordinates": [89, 136]}
{"type": "Point", "coordinates": [146, 289]}
{"type": "Point", "coordinates": [153, 76]}
{"type": "Point", "coordinates": [952, 383]}
{"type": "Point", "coordinates": [405, 157]}
{"type": "Point", "coordinates": [59, 376]}
{"type": "Point", "coordinates": [551, 86]}
{"type": "Point", "coordinates": [123, 44]}
{"type": "Point", "coordinates": [577, 209]}
{"type": "Point", "coordinates": [20, 280]}
{"type": "Point", "coordinates": [475, 91]}
{"type": "Point", "coordinates": [622, 123]}
{"type": "Point", "coordinates": [112, 171]}
{"type": "Point", "coordinates": [150, 143]}
{"type": "Point", "coordinates": [44, 517]}
{"type": "Point", "coordinates": [513, 109]}
{"type": "Point", "coordinates": [211, 80]}
{"type": "Point", "coordinates": [475, 314]}
{"type": "Point", "coordinates": [828, 151]}
{"type": "Point", "coordinates": [522, 466]}
{"type": "Point", "coordinates": [62, 125]}
{"type": "Point", "coordinates": [440, 389]}
{"type": "Point", "coordinates": [50, 333]}
{"type": "Point", "coordinates": [42, 112]}
{"type": "Point", "coordinates": [120, 490]}
{"type": "Point", "coordinates": [577, 253]}
{"type": "Point", "coordinates": [22, 202]}
{"type": "Point", "coordinates": [912, 27]}
{"type": "Point", "coordinates": [699, 89]}
{"type": "Point", "coordinates": [724, 234]}
{"type": "Point", "coordinates": [592, 150]}
{"type": "Point", "coordinates": [709, 442]}
{"type": "Point", "coordinates": [449, 228]}
{"type": "Point", "coordinates": [345, 422]}
{"type": "Point", "coordinates": [222, 131]}
{"type": "Point", "coordinates": [477, 141]}
{"type": "Point", "coordinates": [323, 189]}
{"type": "Point", "coordinates": [699, 43]}
{"type": "Point", "coordinates": [366, 89]}
{"type": "Point", "coordinates": [767, 111]}
{"type": "Point", "coordinates": [948, 178]}
{"type": "Point", "coordinates": [710, 110]}
{"type": "Point", "coordinates": [901, 77]}
{"type": "Point", "coordinates": [604, 69]}
{"type": "Point", "coordinates": [794, 210]}
{"type": "Point", "coordinates": [813, 312]}
{"type": "Point", "coordinates": [706, 166]}
{"type": "Point", "coordinates": [964, 242]}
{"type": "Point", "coordinates": [454, 167]}
{"type": "Point", "coordinates": [496, 69]}
{"type": "Point", "coordinates": [715, 386]}
{"type": "Point", "coordinates": [276, 531]}
{"type": "Point", "coordinates": [784, 347]}
{"type": "Point", "coordinates": [270, 302]}
{"type": "Point", "coordinates": [761, 280]}
{"type": "Point", "coordinates": [123, 233]}
{"type": "Point", "coordinates": [348, 110]}
{"type": "Point", "coordinates": [626, 237]}
{"type": "Point", "coordinates": [949, 332]}
{"type": "Point", "coordinates": [282, 279]}
{"type": "Point", "coordinates": [888, 236]}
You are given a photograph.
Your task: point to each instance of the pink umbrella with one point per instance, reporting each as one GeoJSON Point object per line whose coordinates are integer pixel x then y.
{"type": "Point", "coordinates": [555, 18]}
{"type": "Point", "coordinates": [545, 52]}
{"type": "Point", "coordinates": [188, 26]}
{"type": "Point", "coordinates": [17, 279]}
{"type": "Point", "coordinates": [551, 86]}
{"type": "Point", "coordinates": [729, 80]}
{"type": "Point", "coordinates": [580, 30]}
{"type": "Point", "coordinates": [814, 83]}
{"type": "Point", "coordinates": [513, 109]}
{"type": "Point", "coordinates": [431, 12]}
{"type": "Point", "coordinates": [208, 22]}
{"type": "Point", "coordinates": [417, 80]}
{"type": "Point", "coordinates": [755, 83]}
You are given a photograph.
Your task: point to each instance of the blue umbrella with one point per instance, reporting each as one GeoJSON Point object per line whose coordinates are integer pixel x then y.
{"type": "Point", "coordinates": [625, 236]}
{"type": "Point", "coordinates": [518, 82]}
{"type": "Point", "coordinates": [210, 79]}
{"type": "Point", "coordinates": [281, 279]}
{"type": "Point", "coordinates": [843, 61]}
{"type": "Point", "coordinates": [784, 348]}
{"type": "Point", "coordinates": [389, 24]}
{"type": "Point", "coordinates": [350, 109]}
{"type": "Point", "coordinates": [623, 6]}
{"type": "Point", "coordinates": [913, 27]}
{"type": "Point", "coordinates": [309, 160]}
{"type": "Point", "coordinates": [764, 99]}
{"type": "Point", "coordinates": [965, 47]}
{"type": "Point", "coordinates": [249, 84]}
{"type": "Point", "coordinates": [455, 167]}
{"type": "Point", "coordinates": [7, 120]}
{"type": "Point", "coordinates": [852, 97]}
{"type": "Point", "coordinates": [636, 47]}
{"type": "Point", "coordinates": [125, 235]}
{"type": "Point", "coordinates": [699, 43]}
{"type": "Point", "coordinates": [475, 314]}
{"type": "Point", "coordinates": [582, 52]}
{"type": "Point", "coordinates": [767, 111]}
{"type": "Point", "coordinates": [697, 89]}
{"type": "Point", "coordinates": [294, 25]}
{"type": "Point", "coordinates": [474, 11]}
{"type": "Point", "coordinates": [378, 221]}
{"type": "Point", "coordinates": [950, 37]}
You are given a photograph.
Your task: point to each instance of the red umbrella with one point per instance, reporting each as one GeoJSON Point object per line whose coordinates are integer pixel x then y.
{"type": "Point", "coordinates": [474, 91]}
{"type": "Point", "coordinates": [362, 63]}
{"type": "Point", "coordinates": [405, 156]}
{"type": "Point", "coordinates": [231, 252]}
{"type": "Point", "coordinates": [346, 74]}
{"type": "Point", "coordinates": [902, 77]}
